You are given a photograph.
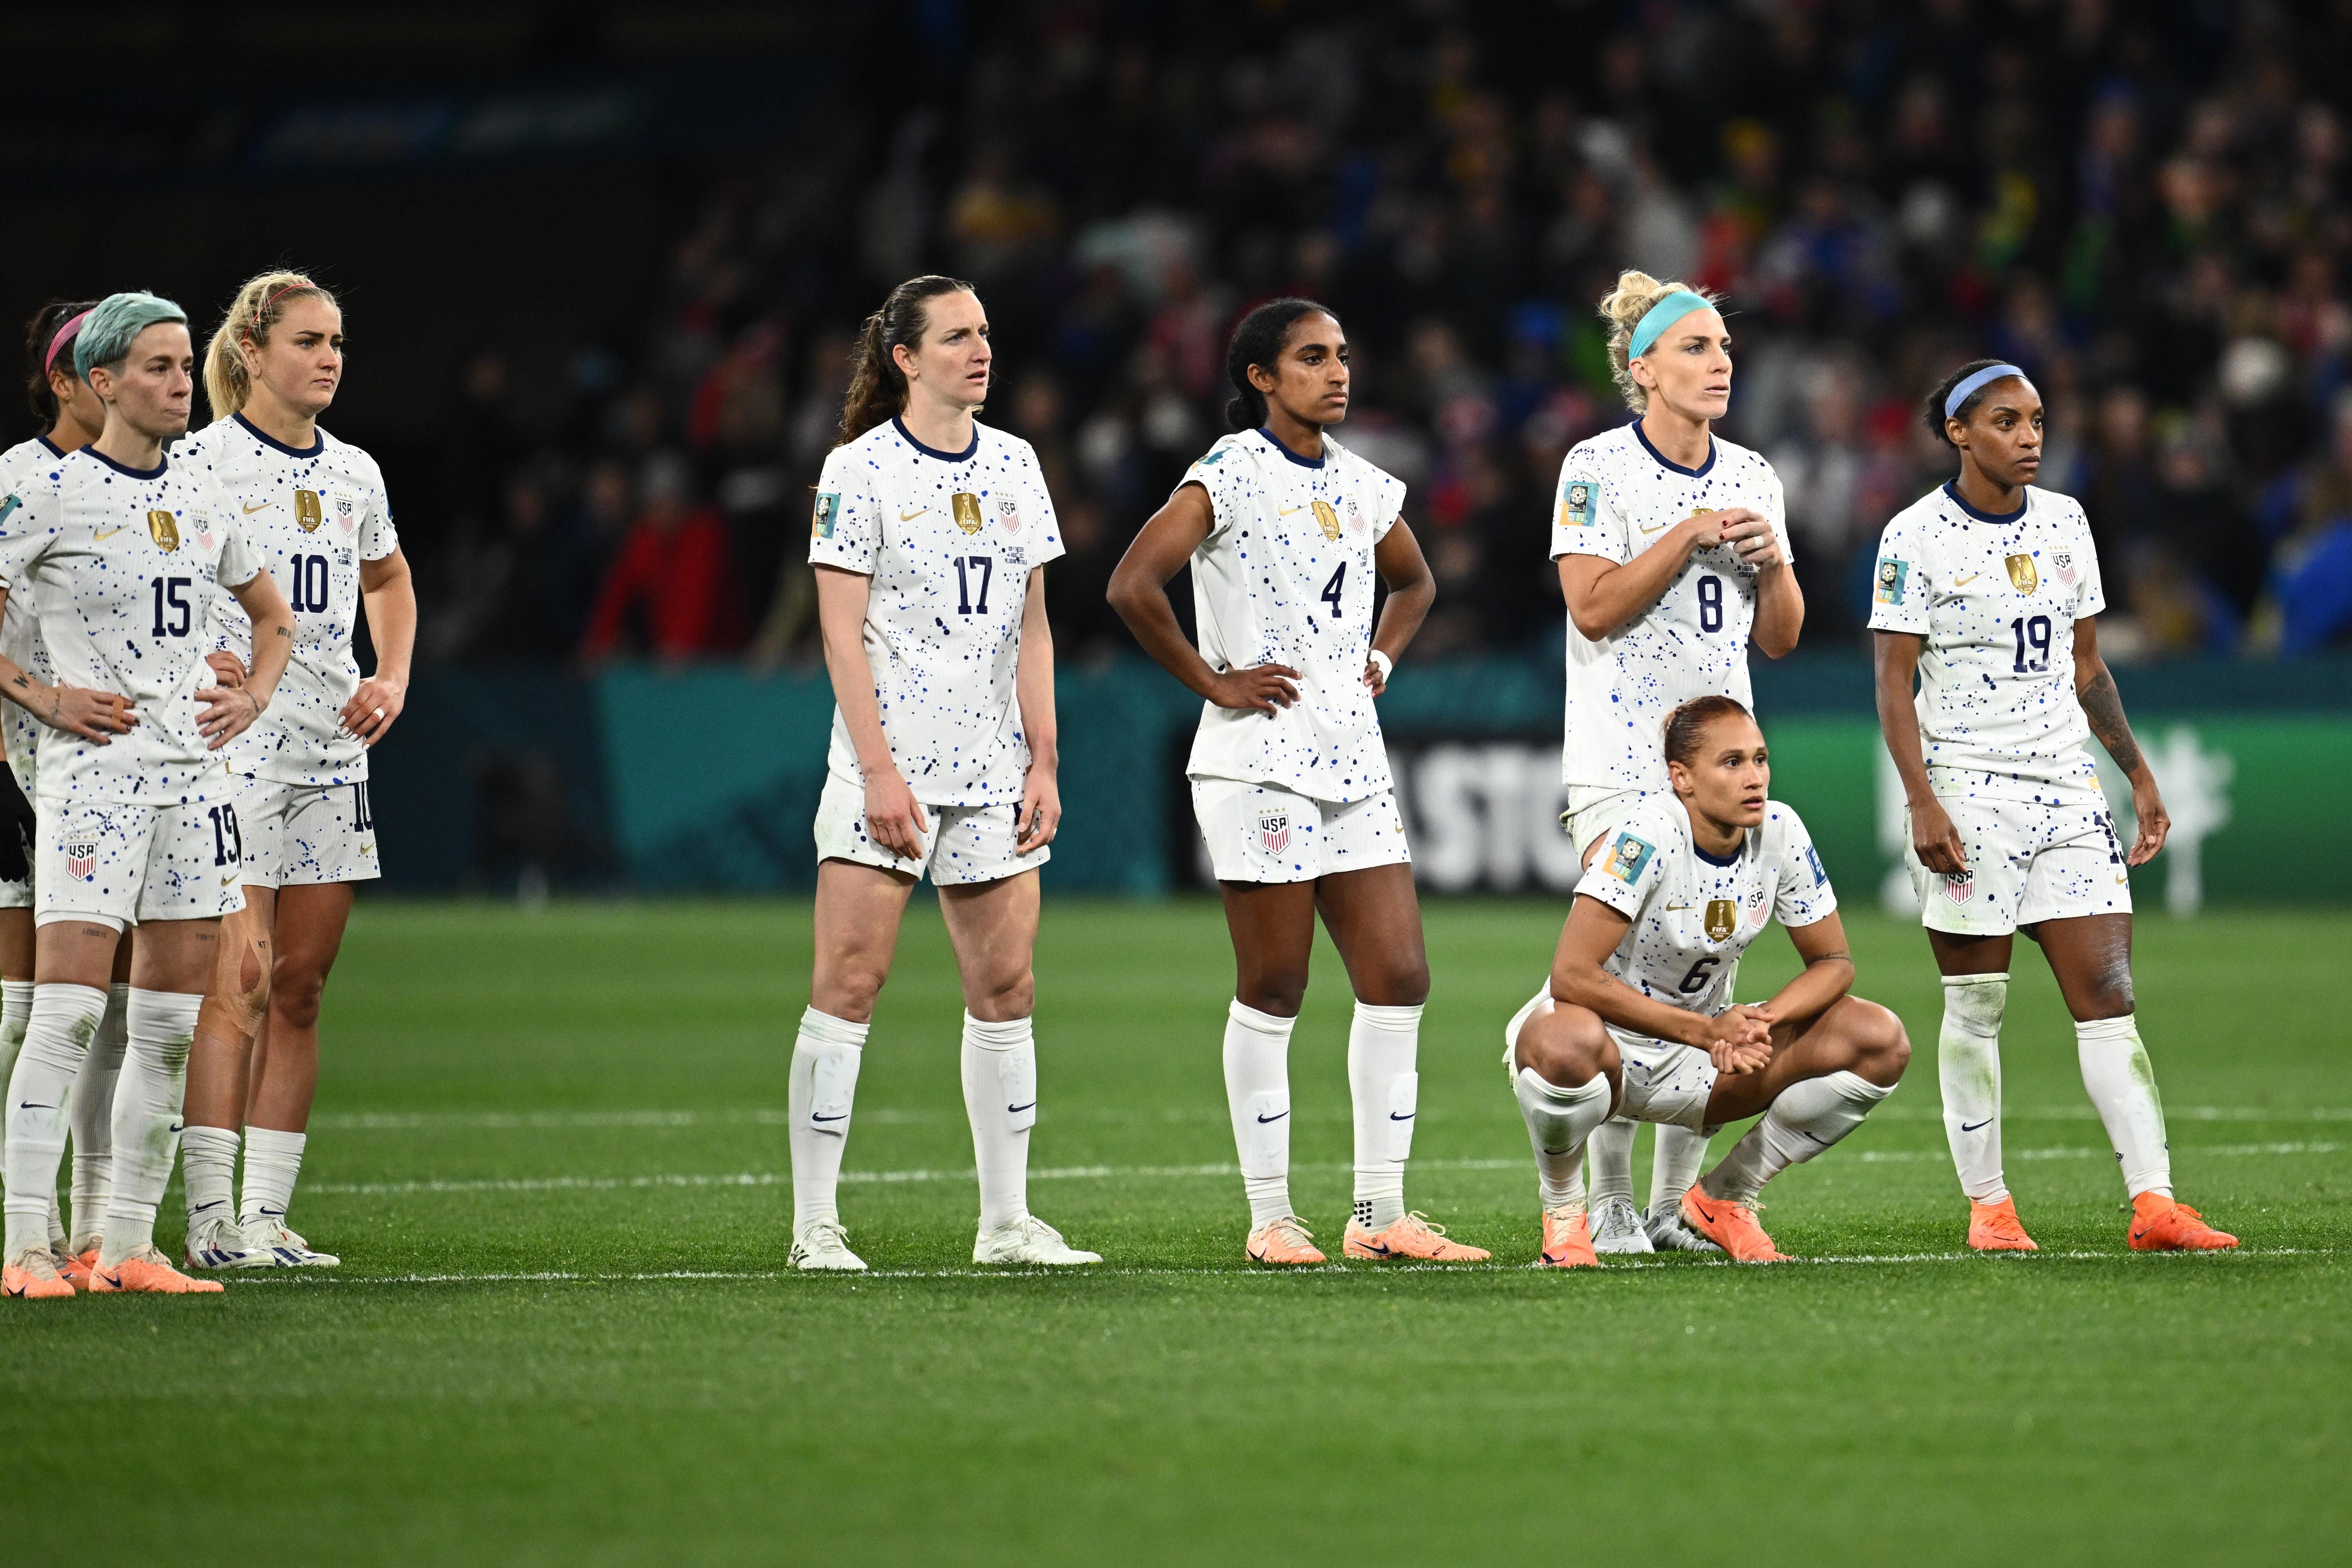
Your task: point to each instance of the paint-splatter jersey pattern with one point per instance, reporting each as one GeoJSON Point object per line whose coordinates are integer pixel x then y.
{"type": "Point", "coordinates": [20, 630]}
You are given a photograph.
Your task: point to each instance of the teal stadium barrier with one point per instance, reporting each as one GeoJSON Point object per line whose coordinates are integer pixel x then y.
{"type": "Point", "coordinates": [706, 779]}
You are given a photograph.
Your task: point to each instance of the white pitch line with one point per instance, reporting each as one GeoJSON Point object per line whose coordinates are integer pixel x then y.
{"type": "Point", "coordinates": [1141, 1173]}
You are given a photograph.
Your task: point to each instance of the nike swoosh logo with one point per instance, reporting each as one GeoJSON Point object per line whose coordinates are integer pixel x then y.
{"type": "Point", "coordinates": [843, 1117]}
{"type": "Point", "coordinates": [263, 508]}
{"type": "Point", "coordinates": [1262, 1120]}
{"type": "Point", "coordinates": [1285, 511]}
{"type": "Point", "coordinates": [1671, 908]}
{"type": "Point", "coordinates": [1380, 1250]}
{"type": "Point", "coordinates": [1965, 1127]}
{"type": "Point", "coordinates": [28, 1106]}
{"type": "Point", "coordinates": [111, 532]}
{"type": "Point", "coordinates": [1016, 1110]}
{"type": "Point", "coordinates": [1406, 1117]}
{"type": "Point", "coordinates": [1964, 581]}
{"type": "Point", "coordinates": [1651, 528]}
{"type": "Point", "coordinates": [910, 517]}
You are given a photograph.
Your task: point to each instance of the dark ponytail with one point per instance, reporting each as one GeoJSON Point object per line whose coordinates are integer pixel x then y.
{"type": "Point", "coordinates": [878, 387]}
{"type": "Point", "coordinates": [39, 333]}
{"type": "Point", "coordinates": [1258, 341]}
{"type": "Point", "coordinates": [1687, 726]}
{"type": "Point", "coordinates": [1934, 411]}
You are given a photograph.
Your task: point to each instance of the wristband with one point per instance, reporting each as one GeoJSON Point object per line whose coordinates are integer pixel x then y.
{"type": "Point", "coordinates": [1386, 663]}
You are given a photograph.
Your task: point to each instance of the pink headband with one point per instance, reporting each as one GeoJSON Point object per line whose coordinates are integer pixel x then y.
{"type": "Point", "coordinates": [66, 334]}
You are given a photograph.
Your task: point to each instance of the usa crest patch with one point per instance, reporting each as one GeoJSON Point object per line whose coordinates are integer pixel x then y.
{"type": "Point", "coordinates": [1274, 831]}
{"type": "Point", "coordinates": [81, 859]}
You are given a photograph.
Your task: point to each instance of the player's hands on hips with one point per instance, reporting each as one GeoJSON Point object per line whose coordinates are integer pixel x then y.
{"type": "Point", "coordinates": [229, 670]}
{"type": "Point", "coordinates": [1262, 687]}
{"type": "Point", "coordinates": [1041, 808]}
{"type": "Point", "coordinates": [224, 713]}
{"type": "Point", "coordinates": [2155, 822]}
{"type": "Point", "coordinates": [93, 716]}
{"type": "Point", "coordinates": [1937, 841]}
{"type": "Point", "coordinates": [374, 708]}
{"type": "Point", "coordinates": [1376, 680]}
{"type": "Point", "coordinates": [1751, 535]}
{"type": "Point", "coordinates": [894, 818]}
{"type": "Point", "coordinates": [1739, 1038]}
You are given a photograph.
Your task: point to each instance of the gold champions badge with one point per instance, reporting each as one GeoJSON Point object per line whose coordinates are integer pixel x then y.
{"type": "Point", "coordinates": [967, 512]}
{"type": "Point", "coordinates": [1722, 918]}
{"type": "Point", "coordinates": [308, 513]}
{"type": "Point", "coordinates": [1328, 520]}
{"type": "Point", "coordinates": [165, 531]}
{"type": "Point", "coordinates": [2022, 575]}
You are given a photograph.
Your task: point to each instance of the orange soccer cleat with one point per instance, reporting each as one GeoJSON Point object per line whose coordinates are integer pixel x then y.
{"type": "Point", "coordinates": [31, 1276]}
{"type": "Point", "coordinates": [1995, 1228]}
{"type": "Point", "coordinates": [1731, 1225]}
{"type": "Point", "coordinates": [2161, 1225]}
{"type": "Point", "coordinates": [148, 1270]}
{"type": "Point", "coordinates": [1412, 1236]}
{"type": "Point", "coordinates": [1283, 1243]}
{"type": "Point", "coordinates": [1567, 1238]}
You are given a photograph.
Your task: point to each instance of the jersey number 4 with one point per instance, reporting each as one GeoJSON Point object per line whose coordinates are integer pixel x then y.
{"type": "Point", "coordinates": [1334, 589]}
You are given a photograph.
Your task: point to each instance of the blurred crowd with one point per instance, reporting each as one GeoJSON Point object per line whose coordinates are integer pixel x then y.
{"type": "Point", "coordinates": [2142, 202]}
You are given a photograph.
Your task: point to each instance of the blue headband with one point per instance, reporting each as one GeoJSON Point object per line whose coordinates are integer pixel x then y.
{"type": "Point", "coordinates": [1983, 378]}
{"type": "Point", "coordinates": [1660, 316]}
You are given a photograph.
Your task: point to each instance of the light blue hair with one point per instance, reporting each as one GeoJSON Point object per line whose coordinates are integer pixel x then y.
{"type": "Point", "coordinates": [105, 337]}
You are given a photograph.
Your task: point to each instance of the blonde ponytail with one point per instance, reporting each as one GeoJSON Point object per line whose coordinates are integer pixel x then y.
{"type": "Point", "coordinates": [255, 310]}
{"type": "Point", "coordinates": [1623, 307]}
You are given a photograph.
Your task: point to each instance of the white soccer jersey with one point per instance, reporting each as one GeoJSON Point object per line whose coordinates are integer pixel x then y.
{"type": "Point", "coordinates": [1616, 499]}
{"type": "Point", "coordinates": [950, 540]}
{"type": "Point", "coordinates": [1997, 600]}
{"type": "Point", "coordinates": [311, 517]}
{"type": "Point", "coordinates": [121, 566]}
{"type": "Point", "coordinates": [1285, 578]}
{"type": "Point", "coordinates": [1693, 915]}
{"type": "Point", "coordinates": [20, 631]}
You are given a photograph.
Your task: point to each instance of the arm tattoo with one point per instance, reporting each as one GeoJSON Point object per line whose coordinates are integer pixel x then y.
{"type": "Point", "coordinates": [2104, 706]}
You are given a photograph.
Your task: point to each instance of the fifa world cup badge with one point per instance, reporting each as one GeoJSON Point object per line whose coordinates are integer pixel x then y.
{"type": "Point", "coordinates": [163, 530]}
{"type": "Point", "coordinates": [1576, 506]}
{"type": "Point", "coordinates": [308, 513]}
{"type": "Point", "coordinates": [1722, 918]}
{"type": "Point", "coordinates": [1627, 856]}
{"type": "Point", "coordinates": [1892, 576]}
{"type": "Point", "coordinates": [2022, 575]}
{"type": "Point", "coordinates": [1326, 519]}
{"type": "Point", "coordinates": [828, 512]}
{"type": "Point", "coordinates": [967, 512]}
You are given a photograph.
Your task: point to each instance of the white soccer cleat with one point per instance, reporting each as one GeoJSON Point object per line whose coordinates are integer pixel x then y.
{"type": "Point", "coordinates": [1669, 1232]}
{"type": "Point", "coordinates": [1617, 1228]}
{"type": "Point", "coordinates": [217, 1241]}
{"type": "Point", "coordinates": [824, 1247]}
{"type": "Point", "coordinates": [287, 1250]}
{"type": "Point", "coordinates": [1028, 1240]}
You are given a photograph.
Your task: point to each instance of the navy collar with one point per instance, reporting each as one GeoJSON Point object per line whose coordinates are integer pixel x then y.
{"type": "Point", "coordinates": [1951, 488]}
{"type": "Point", "coordinates": [155, 472]}
{"type": "Point", "coordinates": [54, 450]}
{"type": "Point", "coordinates": [1663, 462]}
{"type": "Point", "coordinates": [1732, 859]}
{"type": "Point", "coordinates": [964, 456]}
{"type": "Point", "coordinates": [317, 440]}
{"type": "Point", "coordinates": [1303, 461]}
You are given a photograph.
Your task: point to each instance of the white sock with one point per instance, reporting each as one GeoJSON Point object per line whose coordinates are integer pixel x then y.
{"type": "Point", "coordinates": [1673, 1166]}
{"type": "Point", "coordinates": [1257, 1096]}
{"type": "Point", "coordinates": [208, 1161]}
{"type": "Point", "coordinates": [272, 1160]}
{"type": "Point", "coordinates": [1968, 1069]}
{"type": "Point", "coordinates": [824, 1087]}
{"type": "Point", "coordinates": [1558, 1120]}
{"type": "Point", "coordinates": [56, 1037]}
{"type": "Point", "coordinates": [147, 1103]}
{"type": "Point", "coordinates": [1383, 1045]}
{"type": "Point", "coordinates": [1609, 1159]}
{"type": "Point", "coordinates": [1807, 1118]}
{"type": "Point", "coordinates": [2122, 1083]}
{"type": "Point", "coordinates": [91, 1119]}
{"type": "Point", "coordinates": [15, 1013]}
{"type": "Point", "coordinates": [1000, 1098]}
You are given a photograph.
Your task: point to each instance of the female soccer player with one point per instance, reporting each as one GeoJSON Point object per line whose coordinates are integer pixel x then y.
{"type": "Point", "coordinates": [1987, 591]}
{"type": "Point", "coordinates": [931, 531]}
{"type": "Point", "coordinates": [121, 552]}
{"type": "Point", "coordinates": [1673, 554]}
{"type": "Point", "coordinates": [1284, 528]}
{"type": "Point", "coordinates": [1638, 1016]}
{"type": "Point", "coordinates": [314, 509]}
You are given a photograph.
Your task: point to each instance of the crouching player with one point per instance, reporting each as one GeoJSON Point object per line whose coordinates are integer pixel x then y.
{"type": "Point", "coordinates": [1638, 1019]}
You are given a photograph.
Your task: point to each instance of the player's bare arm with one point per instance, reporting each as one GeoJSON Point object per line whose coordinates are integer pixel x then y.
{"type": "Point", "coordinates": [1413, 588]}
{"type": "Point", "coordinates": [2103, 708]}
{"type": "Point", "coordinates": [1828, 974]}
{"type": "Point", "coordinates": [1779, 602]}
{"type": "Point", "coordinates": [224, 713]}
{"type": "Point", "coordinates": [1138, 591]}
{"type": "Point", "coordinates": [1603, 594]}
{"type": "Point", "coordinates": [893, 816]}
{"type": "Point", "coordinates": [1894, 656]}
{"type": "Point", "coordinates": [1738, 1039]}
{"type": "Point", "coordinates": [1032, 685]}
{"type": "Point", "coordinates": [389, 593]}
{"type": "Point", "coordinates": [76, 710]}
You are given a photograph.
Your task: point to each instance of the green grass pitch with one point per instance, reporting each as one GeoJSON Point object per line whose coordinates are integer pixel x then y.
{"type": "Point", "coordinates": [550, 1151]}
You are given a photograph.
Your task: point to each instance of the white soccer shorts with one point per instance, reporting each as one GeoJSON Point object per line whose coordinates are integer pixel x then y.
{"type": "Point", "coordinates": [302, 835]}
{"type": "Point", "coordinates": [1264, 833]}
{"type": "Point", "coordinates": [1664, 1081]}
{"type": "Point", "coordinates": [21, 762]}
{"type": "Point", "coordinates": [1595, 810]}
{"type": "Point", "coordinates": [961, 844]}
{"type": "Point", "coordinates": [2028, 861]}
{"type": "Point", "coordinates": [122, 864]}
